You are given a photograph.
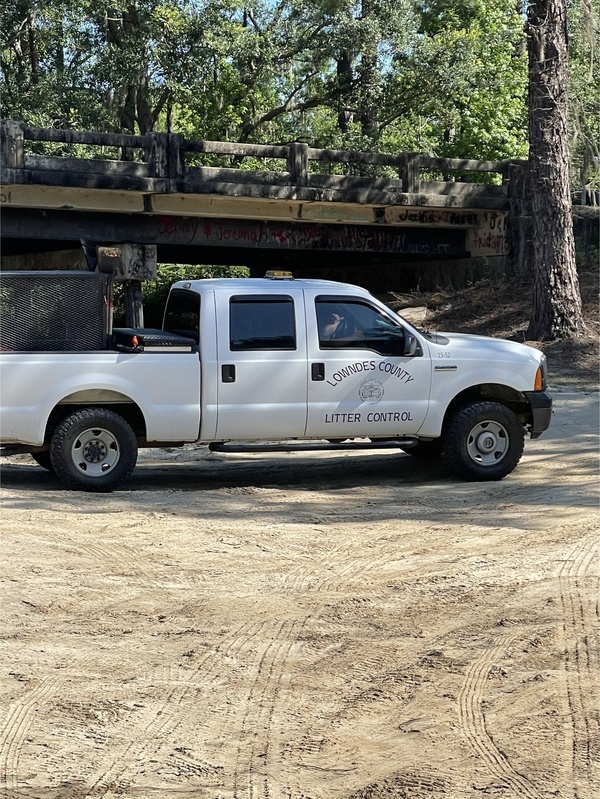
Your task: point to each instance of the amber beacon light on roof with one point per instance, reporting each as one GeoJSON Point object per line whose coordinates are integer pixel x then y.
{"type": "Point", "coordinates": [279, 274]}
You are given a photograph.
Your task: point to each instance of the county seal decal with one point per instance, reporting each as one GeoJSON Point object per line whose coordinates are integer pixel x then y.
{"type": "Point", "coordinates": [371, 391]}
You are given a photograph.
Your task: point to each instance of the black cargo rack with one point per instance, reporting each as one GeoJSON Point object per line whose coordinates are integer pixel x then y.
{"type": "Point", "coordinates": [54, 311]}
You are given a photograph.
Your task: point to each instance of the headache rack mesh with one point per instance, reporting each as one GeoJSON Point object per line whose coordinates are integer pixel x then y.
{"type": "Point", "coordinates": [53, 311]}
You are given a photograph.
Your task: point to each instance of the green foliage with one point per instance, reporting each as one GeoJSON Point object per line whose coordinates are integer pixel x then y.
{"type": "Point", "coordinates": [468, 78]}
{"type": "Point", "coordinates": [98, 64]}
{"type": "Point", "coordinates": [446, 77]}
{"type": "Point", "coordinates": [584, 92]}
{"type": "Point", "coordinates": [155, 292]}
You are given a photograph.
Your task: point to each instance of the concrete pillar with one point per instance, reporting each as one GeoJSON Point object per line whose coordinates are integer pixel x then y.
{"type": "Point", "coordinates": [130, 264]}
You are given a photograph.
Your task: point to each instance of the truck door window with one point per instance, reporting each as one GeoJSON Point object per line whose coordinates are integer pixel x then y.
{"type": "Point", "coordinates": [344, 322]}
{"type": "Point", "coordinates": [262, 322]}
{"type": "Point", "coordinates": [182, 314]}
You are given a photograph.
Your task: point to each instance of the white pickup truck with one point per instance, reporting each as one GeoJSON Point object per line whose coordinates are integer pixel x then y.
{"type": "Point", "coordinates": [273, 362]}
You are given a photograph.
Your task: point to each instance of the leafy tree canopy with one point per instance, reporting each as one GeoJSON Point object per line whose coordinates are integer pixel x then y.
{"type": "Point", "coordinates": [446, 77]}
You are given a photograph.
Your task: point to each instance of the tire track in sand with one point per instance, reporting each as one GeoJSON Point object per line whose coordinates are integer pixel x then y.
{"type": "Point", "coordinates": [123, 560]}
{"type": "Point", "coordinates": [254, 730]}
{"type": "Point", "coordinates": [255, 735]}
{"type": "Point", "coordinates": [472, 720]}
{"type": "Point", "coordinates": [16, 726]}
{"type": "Point", "coordinates": [252, 776]}
{"type": "Point", "coordinates": [256, 773]}
{"type": "Point", "coordinates": [151, 731]}
{"type": "Point", "coordinates": [580, 618]}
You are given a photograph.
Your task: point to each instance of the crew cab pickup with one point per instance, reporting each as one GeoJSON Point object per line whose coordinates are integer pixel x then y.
{"type": "Point", "coordinates": [273, 362]}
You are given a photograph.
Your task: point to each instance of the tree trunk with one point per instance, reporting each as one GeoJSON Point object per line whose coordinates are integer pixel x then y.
{"type": "Point", "coordinates": [369, 82]}
{"type": "Point", "coordinates": [33, 54]}
{"type": "Point", "coordinates": [344, 76]}
{"type": "Point", "coordinates": [369, 96]}
{"type": "Point", "coordinates": [557, 301]}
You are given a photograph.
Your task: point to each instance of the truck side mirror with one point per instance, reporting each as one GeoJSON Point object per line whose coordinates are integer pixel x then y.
{"type": "Point", "coordinates": [411, 345]}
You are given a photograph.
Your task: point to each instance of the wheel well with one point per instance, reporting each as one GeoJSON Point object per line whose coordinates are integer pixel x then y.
{"type": "Point", "coordinates": [128, 410]}
{"type": "Point", "coordinates": [493, 392]}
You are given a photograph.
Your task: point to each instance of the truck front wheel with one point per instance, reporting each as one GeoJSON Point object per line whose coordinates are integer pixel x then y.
{"type": "Point", "coordinates": [484, 441]}
{"type": "Point", "coordinates": [93, 449]}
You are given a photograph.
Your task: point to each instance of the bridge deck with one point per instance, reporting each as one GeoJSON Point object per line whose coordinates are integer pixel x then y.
{"type": "Point", "coordinates": [301, 189]}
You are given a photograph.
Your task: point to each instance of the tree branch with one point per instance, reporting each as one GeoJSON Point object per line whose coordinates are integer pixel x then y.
{"type": "Point", "coordinates": [290, 105]}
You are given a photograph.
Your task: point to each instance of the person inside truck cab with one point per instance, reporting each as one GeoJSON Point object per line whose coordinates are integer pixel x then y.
{"type": "Point", "coordinates": [335, 325]}
{"type": "Point", "coordinates": [356, 324]}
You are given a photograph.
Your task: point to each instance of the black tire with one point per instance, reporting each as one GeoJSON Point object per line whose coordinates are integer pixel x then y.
{"type": "Point", "coordinates": [43, 459]}
{"type": "Point", "coordinates": [93, 449]}
{"type": "Point", "coordinates": [484, 441]}
{"type": "Point", "coordinates": [426, 450]}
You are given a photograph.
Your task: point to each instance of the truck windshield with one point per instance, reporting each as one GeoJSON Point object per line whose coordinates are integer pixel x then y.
{"type": "Point", "coordinates": [182, 314]}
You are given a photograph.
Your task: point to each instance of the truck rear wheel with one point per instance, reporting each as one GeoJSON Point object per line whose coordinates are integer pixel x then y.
{"type": "Point", "coordinates": [484, 441]}
{"type": "Point", "coordinates": [93, 449]}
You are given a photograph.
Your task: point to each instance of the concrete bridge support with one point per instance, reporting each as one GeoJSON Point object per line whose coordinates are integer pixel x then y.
{"type": "Point", "coordinates": [315, 213]}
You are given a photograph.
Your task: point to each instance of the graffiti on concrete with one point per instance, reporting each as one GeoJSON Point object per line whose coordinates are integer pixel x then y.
{"type": "Point", "coordinates": [433, 216]}
{"type": "Point", "coordinates": [355, 238]}
{"type": "Point", "coordinates": [490, 237]}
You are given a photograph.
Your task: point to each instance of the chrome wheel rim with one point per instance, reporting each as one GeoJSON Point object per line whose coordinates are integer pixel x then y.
{"type": "Point", "coordinates": [95, 452]}
{"type": "Point", "coordinates": [488, 443]}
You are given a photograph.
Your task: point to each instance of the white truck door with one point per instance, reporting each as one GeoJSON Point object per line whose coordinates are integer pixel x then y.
{"type": "Point", "coordinates": [262, 365]}
{"type": "Point", "coordinates": [360, 382]}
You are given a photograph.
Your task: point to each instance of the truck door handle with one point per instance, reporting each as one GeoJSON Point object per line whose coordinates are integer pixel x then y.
{"type": "Point", "coordinates": [318, 371]}
{"type": "Point", "coordinates": [228, 373]}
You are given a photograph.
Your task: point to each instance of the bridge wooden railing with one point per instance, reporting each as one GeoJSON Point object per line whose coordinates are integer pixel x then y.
{"type": "Point", "coordinates": [160, 162]}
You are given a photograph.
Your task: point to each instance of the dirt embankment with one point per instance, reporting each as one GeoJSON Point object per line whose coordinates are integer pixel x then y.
{"type": "Point", "coordinates": [305, 626]}
{"type": "Point", "coordinates": [503, 308]}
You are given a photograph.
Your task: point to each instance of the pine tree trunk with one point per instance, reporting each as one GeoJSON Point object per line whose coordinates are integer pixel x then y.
{"type": "Point", "coordinates": [557, 301]}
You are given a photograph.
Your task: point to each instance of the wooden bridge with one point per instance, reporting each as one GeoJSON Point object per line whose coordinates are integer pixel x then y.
{"type": "Point", "coordinates": [261, 205]}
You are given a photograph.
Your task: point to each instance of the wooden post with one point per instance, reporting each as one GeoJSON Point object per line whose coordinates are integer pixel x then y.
{"type": "Point", "coordinates": [158, 155]}
{"type": "Point", "coordinates": [297, 163]}
{"type": "Point", "coordinates": [176, 156]}
{"type": "Point", "coordinates": [166, 157]}
{"type": "Point", "coordinates": [410, 173]}
{"type": "Point", "coordinates": [520, 220]}
{"type": "Point", "coordinates": [14, 145]}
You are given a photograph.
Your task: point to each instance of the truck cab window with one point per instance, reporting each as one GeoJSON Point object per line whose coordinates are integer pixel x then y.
{"type": "Point", "coordinates": [262, 322]}
{"type": "Point", "coordinates": [343, 323]}
{"type": "Point", "coordinates": [182, 314]}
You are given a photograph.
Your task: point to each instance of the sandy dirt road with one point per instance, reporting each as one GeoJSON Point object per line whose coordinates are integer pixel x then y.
{"type": "Point", "coordinates": [305, 626]}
